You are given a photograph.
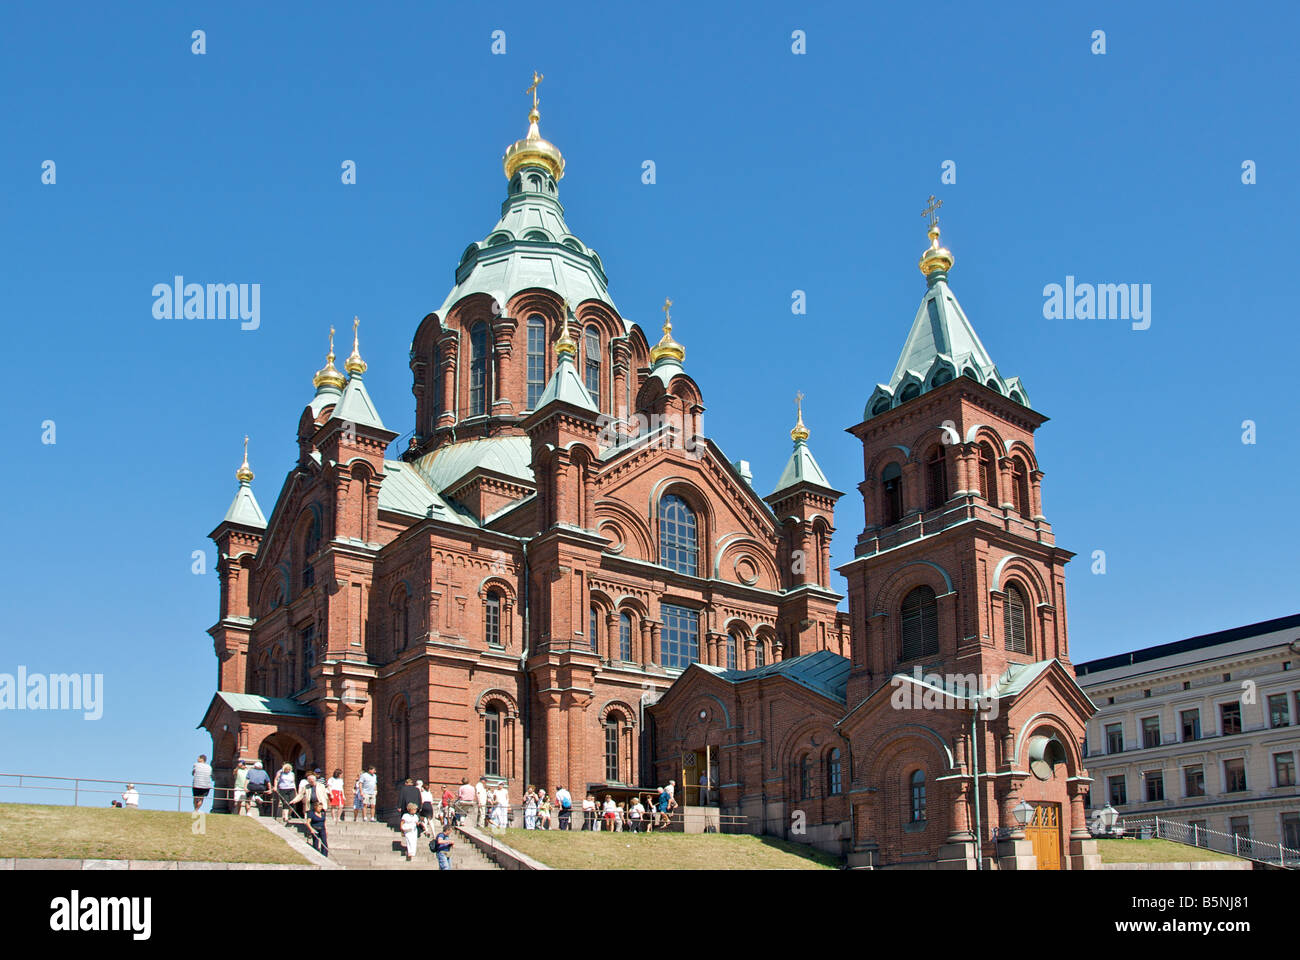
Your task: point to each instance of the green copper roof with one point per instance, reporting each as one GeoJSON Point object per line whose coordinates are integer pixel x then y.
{"type": "Point", "coordinates": [273, 706]}
{"type": "Point", "coordinates": [244, 509]}
{"type": "Point", "coordinates": [565, 385]}
{"type": "Point", "coordinates": [941, 346]}
{"type": "Point", "coordinates": [511, 456]}
{"type": "Point", "coordinates": [801, 468]}
{"type": "Point", "coordinates": [825, 672]}
{"type": "Point", "coordinates": [355, 406]}
{"type": "Point", "coordinates": [405, 490]}
{"type": "Point", "coordinates": [325, 396]}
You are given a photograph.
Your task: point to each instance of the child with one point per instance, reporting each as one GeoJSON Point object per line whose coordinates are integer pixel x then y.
{"type": "Point", "coordinates": [409, 827]}
{"type": "Point", "coordinates": [442, 845]}
{"type": "Point", "coordinates": [357, 799]}
{"type": "Point", "coordinates": [317, 821]}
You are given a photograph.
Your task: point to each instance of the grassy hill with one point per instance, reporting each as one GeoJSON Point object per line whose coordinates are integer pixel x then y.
{"type": "Point", "coordinates": [579, 850]}
{"type": "Point", "coordinates": [109, 833]}
{"type": "Point", "coordinates": [1154, 851]}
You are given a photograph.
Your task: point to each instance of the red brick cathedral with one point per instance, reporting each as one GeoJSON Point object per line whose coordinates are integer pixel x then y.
{"type": "Point", "coordinates": [562, 580]}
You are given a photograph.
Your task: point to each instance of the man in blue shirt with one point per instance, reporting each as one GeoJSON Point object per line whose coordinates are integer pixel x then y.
{"type": "Point", "coordinates": [563, 797]}
{"type": "Point", "coordinates": [442, 845]}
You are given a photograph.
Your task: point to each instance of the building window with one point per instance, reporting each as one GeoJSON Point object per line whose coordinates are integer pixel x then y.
{"type": "Point", "coordinates": [1279, 713]}
{"type": "Point", "coordinates": [920, 624]}
{"type": "Point", "coordinates": [805, 778]}
{"type": "Point", "coordinates": [592, 350]}
{"type": "Point", "coordinates": [678, 543]}
{"type": "Point", "coordinates": [1229, 718]}
{"type": "Point", "coordinates": [936, 479]}
{"type": "Point", "coordinates": [492, 618]}
{"type": "Point", "coordinates": [1284, 769]}
{"type": "Point", "coordinates": [536, 360]}
{"type": "Point", "coordinates": [760, 652]}
{"type": "Point", "coordinates": [624, 637]}
{"type": "Point", "coordinates": [918, 797]}
{"type": "Point", "coordinates": [891, 482]}
{"type": "Point", "coordinates": [1191, 721]}
{"type": "Point", "coordinates": [1151, 732]}
{"type": "Point", "coordinates": [311, 543]}
{"type": "Point", "coordinates": [680, 636]}
{"type": "Point", "coordinates": [1234, 776]}
{"type": "Point", "coordinates": [1117, 790]}
{"type": "Point", "coordinates": [307, 638]}
{"type": "Point", "coordinates": [1194, 781]}
{"type": "Point", "coordinates": [989, 474]}
{"type": "Point", "coordinates": [732, 642]}
{"type": "Point", "coordinates": [593, 628]}
{"type": "Point", "coordinates": [492, 743]}
{"type": "Point", "coordinates": [1155, 785]}
{"type": "Point", "coordinates": [1020, 483]}
{"type": "Point", "coordinates": [1240, 826]}
{"type": "Point", "coordinates": [478, 370]}
{"type": "Point", "coordinates": [1291, 831]}
{"type": "Point", "coordinates": [611, 751]}
{"type": "Point", "coordinates": [1013, 620]}
{"type": "Point", "coordinates": [1114, 738]}
{"type": "Point", "coordinates": [834, 774]}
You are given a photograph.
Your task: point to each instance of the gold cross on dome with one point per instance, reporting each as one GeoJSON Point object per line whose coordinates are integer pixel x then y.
{"type": "Point", "coordinates": [932, 210]}
{"type": "Point", "coordinates": [668, 317]}
{"type": "Point", "coordinates": [532, 88]}
{"type": "Point", "coordinates": [798, 402]}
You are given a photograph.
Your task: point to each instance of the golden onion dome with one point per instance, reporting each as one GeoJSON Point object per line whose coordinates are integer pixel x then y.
{"type": "Point", "coordinates": [532, 150]}
{"type": "Point", "coordinates": [329, 375]}
{"type": "Point", "coordinates": [354, 365]}
{"type": "Point", "coordinates": [245, 473]}
{"type": "Point", "coordinates": [800, 433]}
{"type": "Point", "coordinates": [936, 259]}
{"type": "Point", "coordinates": [667, 347]}
{"type": "Point", "coordinates": [566, 346]}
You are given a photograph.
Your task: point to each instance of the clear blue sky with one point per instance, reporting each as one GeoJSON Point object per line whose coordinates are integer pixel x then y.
{"type": "Point", "coordinates": [775, 172]}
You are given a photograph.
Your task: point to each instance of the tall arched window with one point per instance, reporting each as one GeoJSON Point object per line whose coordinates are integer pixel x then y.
{"type": "Point", "coordinates": [805, 777]}
{"type": "Point", "coordinates": [733, 641]}
{"type": "Point", "coordinates": [478, 370]}
{"type": "Point", "coordinates": [918, 797]}
{"type": "Point", "coordinates": [891, 483]}
{"type": "Point", "coordinates": [760, 652]}
{"type": "Point", "coordinates": [592, 351]}
{"type": "Point", "coordinates": [920, 624]}
{"type": "Point", "coordinates": [611, 751]}
{"type": "Point", "coordinates": [834, 773]}
{"type": "Point", "coordinates": [624, 637]}
{"type": "Point", "coordinates": [1014, 624]}
{"type": "Point", "coordinates": [492, 618]}
{"type": "Point", "coordinates": [536, 360]}
{"type": "Point", "coordinates": [989, 474]}
{"type": "Point", "coordinates": [492, 742]}
{"type": "Point", "coordinates": [678, 543]}
{"type": "Point", "coordinates": [1020, 480]}
{"type": "Point", "coordinates": [593, 627]}
{"type": "Point", "coordinates": [936, 478]}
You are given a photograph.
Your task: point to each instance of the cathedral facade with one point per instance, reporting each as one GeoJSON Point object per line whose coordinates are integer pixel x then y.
{"type": "Point", "coordinates": [562, 580]}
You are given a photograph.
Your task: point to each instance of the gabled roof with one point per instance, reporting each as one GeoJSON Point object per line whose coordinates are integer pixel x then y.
{"type": "Point", "coordinates": [266, 706]}
{"type": "Point", "coordinates": [443, 467]}
{"type": "Point", "coordinates": [822, 672]}
{"type": "Point", "coordinates": [404, 490]}
{"type": "Point", "coordinates": [244, 509]}
{"type": "Point", "coordinates": [567, 387]}
{"type": "Point", "coordinates": [356, 406]}
{"type": "Point", "coordinates": [801, 468]}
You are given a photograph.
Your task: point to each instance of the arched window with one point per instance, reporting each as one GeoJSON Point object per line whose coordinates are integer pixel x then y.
{"type": "Point", "coordinates": [910, 392]}
{"type": "Point", "coordinates": [1020, 480]}
{"type": "Point", "coordinates": [891, 482]}
{"type": "Point", "coordinates": [805, 777]}
{"type": "Point", "coordinates": [834, 774]}
{"type": "Point", "coordinates": [536, 360]}
{"type": "Point", "coordinates": [920, 626]}
{"type": "Point", "coordinates": [678, 544]}
{"type": "Point", "coordinates": [760, 652]}
{"type": "Point", "coordinates": [989, 474]}
{"type": "Point", "coordinates": [307, 640]}
{"type": "Point", "coordinates": [918, 797]}
{"type": "Point", "coordinates": [936, 478]}
{"type": "Point", "coordinates": [733, 641]}
{"type": "Point", "coordinates": [478, 370]}
{"type": "Point", "coordinates": [611, 750]}
{"type": "Point", "coordinates": [624, 637]}
{"type": "Point", "coordinates": [592, 351]}
{"type": "Point", "coordinates": [492, 618]}
{"type": "Point", "coordinates": [593, 627]}
{"type": "Point", "coordinates": [310, 544]}
{"type": "Point", "coordinates": [880, 406]}
{"type": "Point", "coordinates": [1013, 620]}
{"type": "Point", "coordinates": [492, 742]}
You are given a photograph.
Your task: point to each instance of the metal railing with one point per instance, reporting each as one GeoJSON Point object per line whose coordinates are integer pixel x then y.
{"type": "Point", "coordinates": [1194, 835]}
{"type": "Point", "coordinates": [518, 817]}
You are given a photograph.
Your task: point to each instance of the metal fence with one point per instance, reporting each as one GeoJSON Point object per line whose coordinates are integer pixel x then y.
{"type": "Point", "coordinates": [1195, 835]}
{"type": "Point", "coordinates": [518, 817]}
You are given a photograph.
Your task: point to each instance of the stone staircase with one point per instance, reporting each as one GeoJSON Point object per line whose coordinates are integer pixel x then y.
{"type": "Point", "coordinates": [378, 846]}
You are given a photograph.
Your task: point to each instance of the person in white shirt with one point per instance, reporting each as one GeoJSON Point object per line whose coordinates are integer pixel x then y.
{"type": "Point", "coordinates": [501, 815]}
{"type": "Point", "coordinates": [480, 801]}
{"type": "Point", "coordinates": [369, 791]}
{"type": "Point", "coordinates": [410, 826]}
{"type": "Point", "coordinates": [130, 798]}
{"type": "Point", "coordinates": [635, 815]}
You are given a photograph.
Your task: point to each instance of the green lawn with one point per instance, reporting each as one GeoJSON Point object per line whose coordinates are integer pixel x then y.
{"type": "Point", "coordinates": [1154, 851]}
{"type": "Point", "coordinates": [109, 833]}
{"type": "Point", "coordinates": [579, 850]}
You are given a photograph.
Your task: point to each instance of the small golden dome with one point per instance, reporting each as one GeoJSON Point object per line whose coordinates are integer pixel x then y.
{"type": "Point", "coordinates": [936, 259]}
{"type": "Point", "coordinates": [667, 347]}
{"type": "Point", "coordinates": [800, 433]}
{"type": "Point", "coordinates": [245, 473]}
{"type": "Point", "coordinates": [354, 365]}
{"type": "Point", "coordinates": [566, 346]}
{"type": "Point", "coordinates": [329, 375]}
{"type": "Point", "coordinates": [532, 150]}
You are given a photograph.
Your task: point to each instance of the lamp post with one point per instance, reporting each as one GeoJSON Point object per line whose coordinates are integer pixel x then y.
{"type": "Point", "coordinates": [1023, 812]}
{"type": "Point", "coordinates": [1108, 815]}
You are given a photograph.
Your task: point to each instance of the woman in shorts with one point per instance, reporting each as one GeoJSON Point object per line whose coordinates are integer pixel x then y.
{"type": "Point", "coordinates": [335, 787]}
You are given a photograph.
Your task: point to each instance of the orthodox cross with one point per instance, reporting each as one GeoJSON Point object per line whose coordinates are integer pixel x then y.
{"type": "Point", "coordinates": [798, 402]}
{"type": "Point", "coordinates": [451, 585]}
{"type": "Point", "coordinates": [668, 317]}
{"type": "Point", "coordinates": [932, 210]}
{"type": "Point", "coordinates": [331, 341]}
{"type": "Point", "coordinates": [537, 78]}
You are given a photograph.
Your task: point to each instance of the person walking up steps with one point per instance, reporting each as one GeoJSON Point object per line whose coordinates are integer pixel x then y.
{"type": "Point", "coordinates": [442, 845]}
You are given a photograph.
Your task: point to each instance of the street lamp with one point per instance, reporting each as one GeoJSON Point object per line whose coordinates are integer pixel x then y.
{"type": "Point", "coordinates": [1023, 812]}
{"type": "Point", "coordinates": [1108, 815]}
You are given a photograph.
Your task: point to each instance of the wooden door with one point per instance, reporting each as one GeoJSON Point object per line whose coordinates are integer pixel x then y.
{"type": "Point", "coordinates": [1044, 831]}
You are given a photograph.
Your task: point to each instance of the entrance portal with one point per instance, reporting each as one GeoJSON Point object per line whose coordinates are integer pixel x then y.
{"type": "Point", "coordinates": [1044, 831]}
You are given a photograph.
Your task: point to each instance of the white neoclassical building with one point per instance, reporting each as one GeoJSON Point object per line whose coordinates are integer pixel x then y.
{"type": "Point", "coordinates": [1204, 731]}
